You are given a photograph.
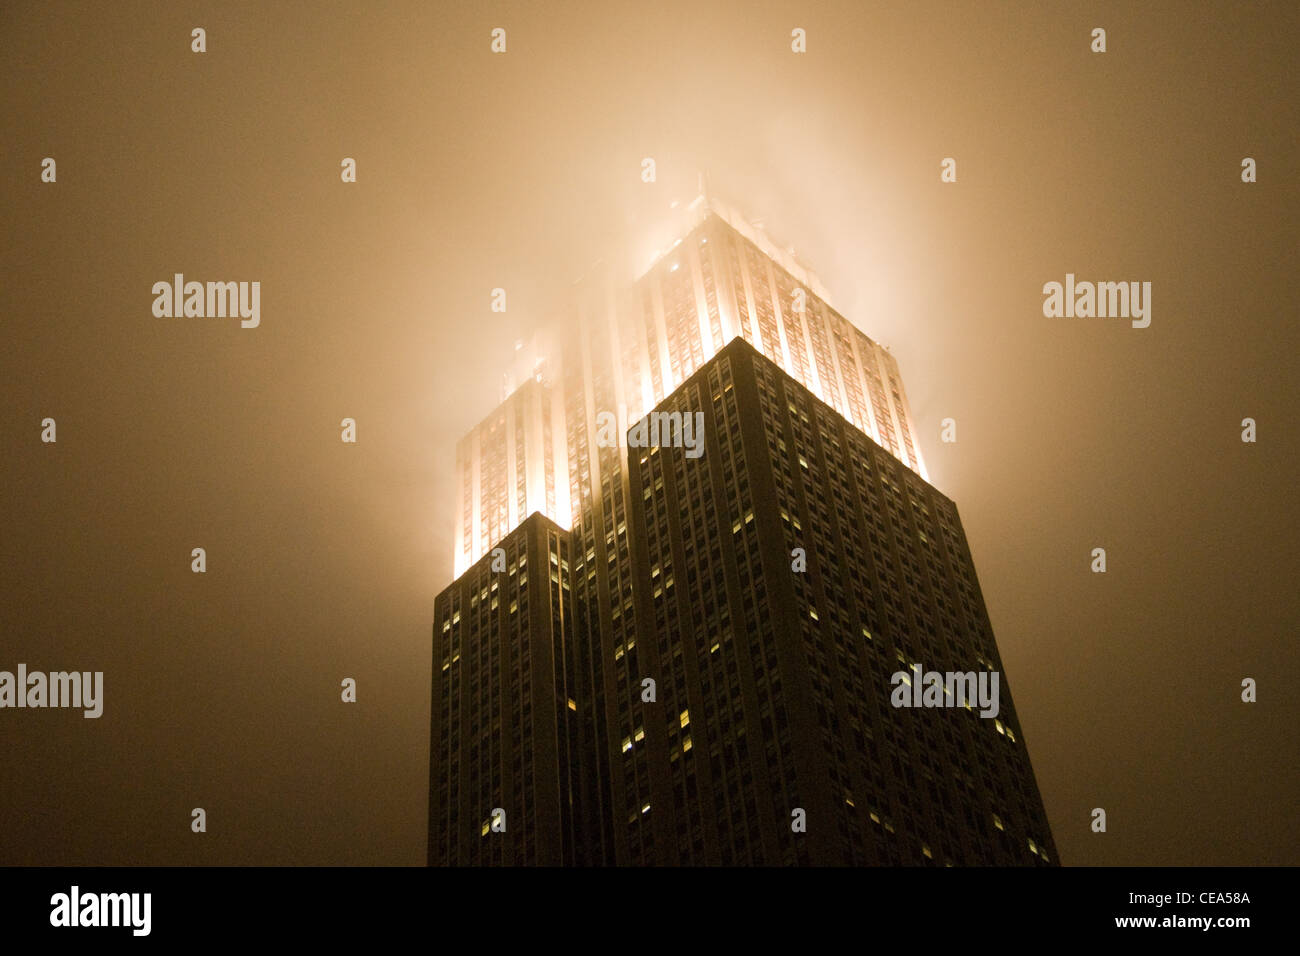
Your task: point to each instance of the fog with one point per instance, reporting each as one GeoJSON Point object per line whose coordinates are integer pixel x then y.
{"type": "Point", "coordinates": [518, 170]}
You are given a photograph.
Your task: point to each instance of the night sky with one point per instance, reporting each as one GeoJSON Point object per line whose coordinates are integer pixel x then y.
{"type": "Point", "coordinates": [478, 170]}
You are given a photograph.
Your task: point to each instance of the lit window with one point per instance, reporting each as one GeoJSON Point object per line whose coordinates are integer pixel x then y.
{"type": "Point", "coordinates": [627, 744]}
{"type": "Point", "coordinates": [685, 717]}
{"type": "Point", "coordinates": [573, 704]}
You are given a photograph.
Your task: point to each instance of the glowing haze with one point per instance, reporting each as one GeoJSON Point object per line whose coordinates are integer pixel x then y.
{"type": "Point", "coordinates": [520, 171]}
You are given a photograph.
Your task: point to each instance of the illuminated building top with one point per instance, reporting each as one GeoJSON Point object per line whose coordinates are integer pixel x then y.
{"type": "Point", "coordinates": [624, 347]}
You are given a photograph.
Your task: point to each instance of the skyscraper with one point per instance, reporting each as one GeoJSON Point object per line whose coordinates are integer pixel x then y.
{"type": "Point", "coordinates": [680, 602]}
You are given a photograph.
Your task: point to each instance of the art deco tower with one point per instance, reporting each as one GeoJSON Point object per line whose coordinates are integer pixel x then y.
{"type": "Point", "coordinates": [771, 685]}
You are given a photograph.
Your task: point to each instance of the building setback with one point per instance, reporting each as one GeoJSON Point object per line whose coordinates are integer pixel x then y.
{"type": "Point", "coordinates": [513, 463]}
{"type": "Point", "coordinates": [504, 729]}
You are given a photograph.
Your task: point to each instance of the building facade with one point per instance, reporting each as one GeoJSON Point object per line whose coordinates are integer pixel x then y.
{"type": "Point", "coordinates": [791, 571]}
{"type": "Point", "coordinates": [506, 741]}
